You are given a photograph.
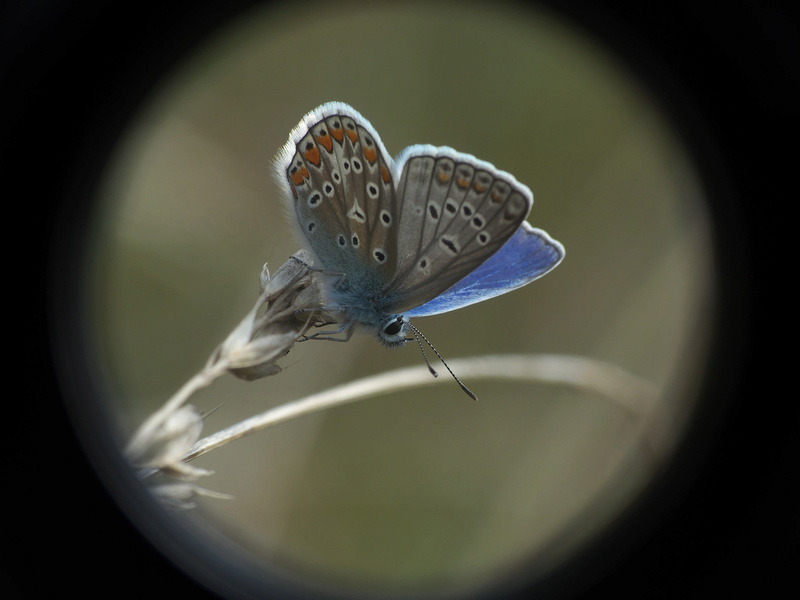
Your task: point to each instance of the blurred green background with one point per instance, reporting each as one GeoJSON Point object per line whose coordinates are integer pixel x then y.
{"type": "Point", "coordinates": [426, 490]}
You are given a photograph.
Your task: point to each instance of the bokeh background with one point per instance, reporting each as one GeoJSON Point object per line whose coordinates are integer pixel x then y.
{"type": "Point", "coordinates": [424, 490]}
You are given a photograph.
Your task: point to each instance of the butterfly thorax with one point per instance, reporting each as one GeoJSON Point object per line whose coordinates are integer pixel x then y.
{"type": "Point", "coordinates": [364, 301]}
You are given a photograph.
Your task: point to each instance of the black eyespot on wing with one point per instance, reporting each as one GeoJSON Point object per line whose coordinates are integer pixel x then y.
{"type": "Point", "coordinates": [449, 243]}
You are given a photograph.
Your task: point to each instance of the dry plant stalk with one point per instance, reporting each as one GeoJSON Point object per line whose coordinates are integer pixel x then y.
{"type": "Point", "coordinates": [291, 302]}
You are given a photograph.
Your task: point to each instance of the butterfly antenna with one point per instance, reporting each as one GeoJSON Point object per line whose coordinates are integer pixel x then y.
{"type": "Point", "coordinates": [417, 335]}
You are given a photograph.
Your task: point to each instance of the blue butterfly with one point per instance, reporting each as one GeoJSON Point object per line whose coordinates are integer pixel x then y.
{"type": "Point", "coordinates": [429, 232]}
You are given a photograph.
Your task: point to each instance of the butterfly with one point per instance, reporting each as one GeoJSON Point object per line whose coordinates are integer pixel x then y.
{"type": "Point", "coordinates": [431, 231]}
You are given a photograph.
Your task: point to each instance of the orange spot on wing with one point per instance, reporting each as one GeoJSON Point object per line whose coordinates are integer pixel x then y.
{"type": "Point", "coordinates": [443, 177]}
{"type": "Point", "coordinates": [462, 183]}
{"type": "Point", "coordinates": [352, 135]}
{"type": "Point", "coordinates": [385, 174]}
{"type": "Point", "coordinates": [479, 188]}
{"type": "Point", "coordinates": [337, 134]}
{"type": "Point", "coordinates": [293, 179]}
{"type": "Point", "coordinates": [312, 156]}
{"type": "Point", "coordinates": [298, 174]}
{"type": "Point", "coordinates": [496, 197]}
{"type": "Point", "coordinates": [326, 142]}
{"type": "Point", "coordinates": [371, 155]}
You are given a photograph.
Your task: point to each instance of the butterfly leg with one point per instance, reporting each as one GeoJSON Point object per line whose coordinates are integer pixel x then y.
{"type": "Point", "coordinates": [348, 327]}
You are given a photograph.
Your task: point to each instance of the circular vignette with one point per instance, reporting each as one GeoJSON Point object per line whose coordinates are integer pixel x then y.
{"type": "Point", "coordinates": [69, 136]}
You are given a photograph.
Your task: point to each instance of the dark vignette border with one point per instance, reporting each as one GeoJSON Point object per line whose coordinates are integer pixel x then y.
{"type": "Point", "coordinates": [722, 519]}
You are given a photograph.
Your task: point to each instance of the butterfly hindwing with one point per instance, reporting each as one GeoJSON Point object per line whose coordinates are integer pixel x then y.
{"type": "Point", "coordinates": [455, 212]}
{"type": "Point", "coordinates": [340, 181]}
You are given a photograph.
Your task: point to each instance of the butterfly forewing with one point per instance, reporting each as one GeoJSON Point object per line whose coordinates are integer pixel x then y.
{"type": "Point", "coordinates": [343, 194]}
{"type": "Point", "coordinates": [455, 212]}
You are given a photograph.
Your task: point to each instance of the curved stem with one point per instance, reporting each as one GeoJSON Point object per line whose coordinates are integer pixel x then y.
{"type": "Point", "coordinates": [630, 393]}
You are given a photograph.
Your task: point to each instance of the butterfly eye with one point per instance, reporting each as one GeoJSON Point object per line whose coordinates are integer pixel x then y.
{"type": "Point", "coordinates": [394, 327]}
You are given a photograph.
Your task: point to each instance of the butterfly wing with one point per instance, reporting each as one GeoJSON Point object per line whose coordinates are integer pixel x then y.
{"type": "Point", "coordinates": [338, 178]}
{"type": "Point", "coordinates": [529, 254]}
{"type": "Point", "coordinates": [454, 212]}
